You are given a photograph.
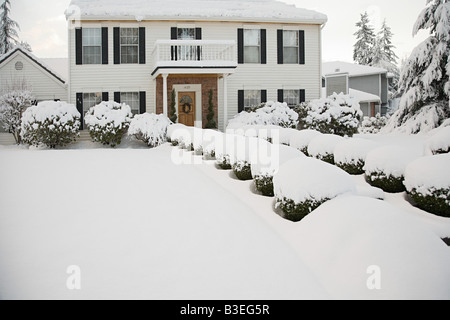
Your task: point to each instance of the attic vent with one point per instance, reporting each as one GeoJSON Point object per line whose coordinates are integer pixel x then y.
{"type": "Point", "coordinates": [19, 65]}
{"type": "Point", "coordinates": [337, 70]}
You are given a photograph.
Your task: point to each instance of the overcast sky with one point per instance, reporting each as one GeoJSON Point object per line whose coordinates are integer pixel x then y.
{"type": "Point", "coordinates": [43, 24]}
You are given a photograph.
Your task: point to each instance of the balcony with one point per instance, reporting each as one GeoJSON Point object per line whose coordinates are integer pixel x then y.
{"type": "Point", "coordinates": [194, 56]}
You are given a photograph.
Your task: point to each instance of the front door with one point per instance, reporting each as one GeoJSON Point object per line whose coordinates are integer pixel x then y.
{"type": "Point", "coordinates": [186, 108]}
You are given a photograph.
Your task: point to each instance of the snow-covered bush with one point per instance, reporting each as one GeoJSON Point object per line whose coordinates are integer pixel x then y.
{"type": "Point", "coordinates": [12, 106]}
{"type": "Point", "coordinates": [150, 128]}
{"type": "Point", "coordinates": [264, 170]}
{"type": "Point", "coordinates": [108, 122]}
{"type": "Point", "coordinates": [225, 150]}
{"type": "Point", "coordinates": [173, 133]}
{"type": "Point", "coordinates": [385, 167]}
{"type": "Point", "coordinates": [322, 147]}
{"type": "Point", "coordinates": [301, 139]}
{"type": "Point", "coordinates": [247, 152]}
{"type": "Point", "coordinates": [285, 136]}
{"type": "Point", "coordinates": [303, 184]}
{"type": "Point", "coordinates": [271, 113]}
{"type": "Point", "coordinates": [338, 114]}
{"type": "Point", "coordinates": [440, 142]}
{"type": "Point", "coordinates": [427, 181]}
{"type": "Point", "coordinates": [54, 124]}
{"type": "Point", "coordinates": [210, 138]}
{"type": "Point", "coordinates": [350, 154]}
{"type": "Point", "coordinates": [372, 125]}
{"type": "Point", "coordinates": [182, 136]}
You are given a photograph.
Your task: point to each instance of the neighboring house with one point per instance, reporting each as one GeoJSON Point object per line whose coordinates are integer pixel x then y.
{"type": "Point", "coordinates": [45, 82]}
{"type": "Point", "coordinates": [246, 52]}
{"type": "Point", "coordinates": [368, 84]}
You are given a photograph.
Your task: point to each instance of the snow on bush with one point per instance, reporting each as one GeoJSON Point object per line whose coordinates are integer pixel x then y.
{"type": "Point", "coordinates": [302, 185]}
{"type": "Point", "coordinates": [150, 128]}
{"type": "Point", "coordinates": [285, 136]}
{"type": "Point", "coordinates": [108, 122]}
{"type": "Point", "coordinates": [181, 135]}
{"type": "Point", "coordinates": [12, 106]}
{"type": "Point", "coordinates": [338, 114]}
{"type": "Point", "coordinates": [440, 141]}
{"type": "Point", "coordinates": [266, 132]}
{"type": "Point", "coordinates": [301, 139]}
{"type": "Point", "coordinates": [247, 151]}
{"type": "Point", "coordinates": [54, 124]}
{"type": "Point", "coordinates": [350, 154]}
{"type": "Point", "coordinates": [264, 169]}
{"type": "Point", "coordinates": [210, 138]}
{"type": "Point", "coordinates": [173, 133]}
{"type": "Point", "coordinates": [271, 113]}
{"type": "Point", "coordinates": [322, 147]}
{"type": "Point", "coordinates": [385, 167]}
{"type": "Point", "coordinates": [427, 180]}
{"type": "Point", "coordinates": [372, 125]}
{"type": "Point", "coordinates": [225, 150]}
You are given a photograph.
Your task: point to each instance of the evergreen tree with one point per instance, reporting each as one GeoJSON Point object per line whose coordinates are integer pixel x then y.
{"type": "Point", "coordinates": [365, 37]}
{"type": "Point", "coordinates": [173, 111]}
{"type": "Point", "coordinates": [385, 42]}
{"type": "Point", "coordinates": [8, 28]}
{"type": "Point", "coordinates": [211, 124]}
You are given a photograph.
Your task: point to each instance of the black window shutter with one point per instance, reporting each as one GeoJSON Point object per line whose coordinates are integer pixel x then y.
{"type": "Point", "coordinates": [263, 46]}
{"type": "Point", "coordinates": [240, 46]}
{"type": "Point", "coordinates": [302, 95]}
{"type": "Point", "coordinates": [105, 46]}
{"type": "Point", "coordinates": [240, 101]}
{"type": "Point", "coordinates": [198, 33]}
{"type": "Point", "coordinates": [142, 45]}
{"type": "Point", "coordinates": [280, 46]}
{"type": "Point", "coordinates": [105, 96]}
{"type": "Point", "coordinates": [142, 102]}
{"type": "Point", "coordinates": [174, 36]}
{"type": "Point", "coordinates": [116, 45]}
{"type": "Point", "coordinates": [301, 48]}
{"type": "Point", "coordinates": [263, 96]}
{"type": "Point", "coordinates": [117, 97]}
{"type": "Point", "coordinates": [79, 46]}
{"type": "Point", "coordinates": [281, 95]}
{"type": "Point", "coordinates": [80, 108]}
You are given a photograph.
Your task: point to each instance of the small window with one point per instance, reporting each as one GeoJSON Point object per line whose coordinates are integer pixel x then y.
{"type": "Point", "coordinates": [292, 97]}
{"type": "Point", "coordinates": [290, 47]}
{"type": "Point", "coordinates": [90, 100]}
{"type": "Point", "coordinates": [19, 66]}
{"type": "Point", "coordinates": [252, 98]}
{"type": "Point", "coordinates": [186, 33]}
{"type": "Point", "coordinates": [252, 46]}
{"type": "Point", "coordinates": [129, 45]}
{"type": "Point", "coordinates": [131, 99]}
{"type": "Point", "coordinates": [92, 46]}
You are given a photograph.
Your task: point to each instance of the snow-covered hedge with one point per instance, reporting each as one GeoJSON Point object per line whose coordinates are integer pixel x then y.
{"type": "Point", "coordinates": [338, 114]}
{"type": "Point", "coordinates": [54, 124]}
{"type": "Point", "coordinates": [440, 142]}
{"type": "Point", "coordinates": [264, 170]}
{"type": "Point", "coordinates": [108, 122]}
{"type": "Point", "coordinates": [427, 181]}
{"type": "Point", "coordinates": [385, 167]}
{"type": "Point", "coordinates": [372, 125]}
{"type": "Point", "coordinates": [303, 184]}
{"type": "Point", "coordinates": [322, 147]}
{"type": "Point", "coordinates": [225, 150]}
{"type": "Point", "coordinates": [150, 128]}
{"type": "Point", "coordinates": [301, 139]}
{"type": "Point", "coordinates": [173, 133]}
{"type": "Point", "coordinates": [210, 138]}
{"type": "Point", "coordinates": [350, 154]}
{"type": "Point", "coordinates": [271, 113]}
{"type": "Point", "coordinates": [248, 151]}
{"type": "Point", "coordinates": [285, 136]}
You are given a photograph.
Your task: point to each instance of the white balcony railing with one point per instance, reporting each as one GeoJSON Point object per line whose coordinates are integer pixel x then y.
{"type": "Point", "coordinates": [194, 53]}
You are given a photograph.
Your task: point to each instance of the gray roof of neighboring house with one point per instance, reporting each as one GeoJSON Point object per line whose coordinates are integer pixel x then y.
{"type": "Point", "coordinates": [353, 70]}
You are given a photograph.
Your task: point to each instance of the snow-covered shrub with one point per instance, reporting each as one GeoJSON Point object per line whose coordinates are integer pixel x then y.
{"type": "Point", "coordinates": [248, 151]}
{"type": "Point", "coordinates": [440, 142]}
{"type": "Point", "coordinates": [173, 133]}
{"type": "Point", "coordinates": [197, 141]}
{"type": "Point", "coordinates": [301, 139]}
{"type": "Point", "coordinates": [225, 150]}
{"type": "Point", "coordinates": [210, 138]}
{"type": "Point", "coordinates": [264, 170]}
{"type": "Point", "coordinates": [350, 154]}
{"type": "Point", "coordinates": [54, 124]}
{"type": "Point", "coordinates": [322, 147]}
{"type": "Point", "coordinates": [372, 125]}
{"type": "Point", "coordinates": [303, 184]}
{"type": "Point", "coordinates": [427, 181]}
{"type": "Point", "coordinates": [271, 113]}
{"type": "Point", "coordinates": [108, 122]}
{"type": "Point", "coordinates": [385, 167]}
{"type": "Point", "coordinates": [182, 136]}
{"type": "Point", "coordinates": [150, 128]}
{"type": "Point", "coordinates": [285, 136]}
{"type": "Point", "coordinates": [267, 132]}
{"type": "Point", "coordinates": [12, 106]}
{"type": "Point", "coordinates": [338, 114]}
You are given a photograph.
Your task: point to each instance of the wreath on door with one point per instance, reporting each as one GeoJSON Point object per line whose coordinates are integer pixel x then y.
{"type": "Point", "coordinates": [186, 104]}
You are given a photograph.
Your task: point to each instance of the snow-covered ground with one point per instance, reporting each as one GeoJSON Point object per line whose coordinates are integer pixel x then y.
{"type": "Point", "coordinates": [140, 226]}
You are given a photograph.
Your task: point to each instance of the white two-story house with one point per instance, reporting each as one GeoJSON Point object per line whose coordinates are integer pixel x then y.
{"type": "Point", "coordinates": [245, 51]}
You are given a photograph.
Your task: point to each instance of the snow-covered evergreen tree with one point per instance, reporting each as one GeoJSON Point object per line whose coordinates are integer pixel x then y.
{"type": "Point", "coordinates": [425, 77]}
{"type": "Point", "coordinates": [365, 36]}
{"type": "Point", "coordinates": [8, 28]}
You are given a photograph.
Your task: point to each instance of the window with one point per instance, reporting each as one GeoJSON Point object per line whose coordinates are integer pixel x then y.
{"type": "Point", "coordinates": [131, 99]}
{"type": "Point", "coordinates": [90, 100]}
{"type": "Point", "coordinates": [252, 46]}
{"type": "Point", "coordinates": [290, 47]}
{"type": "Point", "coordinates": [186, 33]}
{"type": "Point", "coordinates": [291, 97]}
{"type": "Point", "coordinates": [252, 98]}
{"type": "Point", "coordinates": [92, 46]}
{"type": "Point", "coordinates": [129, 45]}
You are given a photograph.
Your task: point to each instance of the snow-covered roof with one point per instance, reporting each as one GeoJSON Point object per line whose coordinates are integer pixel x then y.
{"type": "Point", "coordinates": [193, 10]}
{"type": "Point", "coordinates": [363, 96]}
{"type": "Point", "coordinates": [353, 70]}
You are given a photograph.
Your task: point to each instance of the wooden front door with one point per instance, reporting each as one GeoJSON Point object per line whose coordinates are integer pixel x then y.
{"type": "Point", "coordinates": [186, 108]}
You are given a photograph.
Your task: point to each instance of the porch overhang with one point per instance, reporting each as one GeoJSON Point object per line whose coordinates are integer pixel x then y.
{"type": "Point", "coordinates": [166, 69]}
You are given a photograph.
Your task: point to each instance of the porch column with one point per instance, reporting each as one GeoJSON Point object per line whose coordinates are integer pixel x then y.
{"type": "Point", "coordinates": [225, 101]}
{"type": "Point", "coordinates": [165, 103]}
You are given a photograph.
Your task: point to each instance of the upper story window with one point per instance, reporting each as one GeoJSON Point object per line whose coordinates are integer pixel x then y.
{"type": "Point", "coordinates": [129, 45]}
{"type": "Point", "coordinates": [290, 47]}
{"type": "Point", "coordinates": [252, 46]}
{"type": "Point", "coordinates": [92, 46]}
{"type": "Point", "coordinates": [186, 33]}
